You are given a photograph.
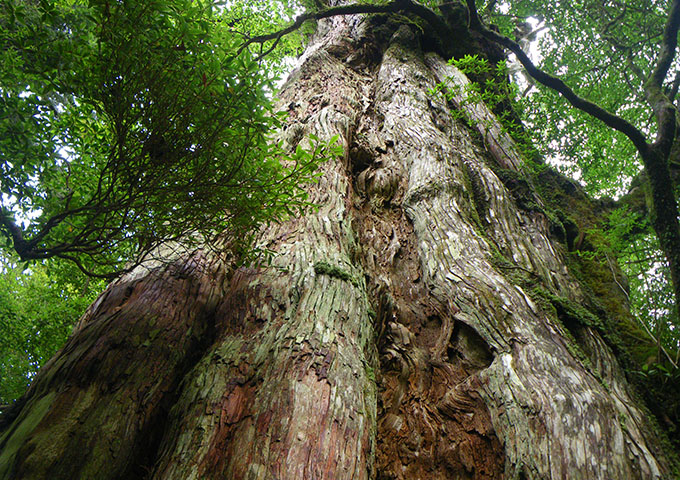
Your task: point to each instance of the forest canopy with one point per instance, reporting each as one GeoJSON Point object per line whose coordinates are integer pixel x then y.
{"type": "Point", "coordinates": [126, 126]}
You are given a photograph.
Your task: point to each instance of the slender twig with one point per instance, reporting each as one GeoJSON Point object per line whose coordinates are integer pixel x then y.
{"type": "Point", "coordinates": [611, 267]}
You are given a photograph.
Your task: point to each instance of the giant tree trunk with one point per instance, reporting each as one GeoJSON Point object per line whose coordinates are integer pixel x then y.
{"type": "Point", "coordinates": [398, 332]}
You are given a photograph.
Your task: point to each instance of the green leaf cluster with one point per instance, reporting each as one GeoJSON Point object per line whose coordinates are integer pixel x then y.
{"type": "Point", "coordinates": [250, 19]}
{"type": "Point", "coordinates": [651, 294]}
{"type": "Point", "coordinates": [127, 125]}
{"type": "Point", "coordinates": [38, 309]}
{"type": "Point", "coordinates": [604, 51]}
{"type": "Point", "coordinates": [490, 85]}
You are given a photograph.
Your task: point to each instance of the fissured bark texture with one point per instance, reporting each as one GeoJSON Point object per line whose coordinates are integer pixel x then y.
{"type": "Point", "coordinates": [390, 337]}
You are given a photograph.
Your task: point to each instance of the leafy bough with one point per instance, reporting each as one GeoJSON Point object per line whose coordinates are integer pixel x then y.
{"type": "Point", "coordinates": [129, 126]}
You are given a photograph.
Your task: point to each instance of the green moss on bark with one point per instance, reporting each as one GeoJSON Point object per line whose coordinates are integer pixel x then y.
{"type": "Point", "coordinates": [14, 438]}
{"type": "Point", "coordinates": [325, 268]}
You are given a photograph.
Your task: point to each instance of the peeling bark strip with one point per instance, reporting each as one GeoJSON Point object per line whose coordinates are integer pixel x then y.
{"type": "Point", "coordinates": [385, 341]}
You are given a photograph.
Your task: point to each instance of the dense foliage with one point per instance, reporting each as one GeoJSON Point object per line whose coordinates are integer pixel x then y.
{"type": "Point", "coordinates": [603, 50]}
{"type": "Point", "coordinates": [126, 125]}
{"type": "Point", "coordinates": [37, 311]}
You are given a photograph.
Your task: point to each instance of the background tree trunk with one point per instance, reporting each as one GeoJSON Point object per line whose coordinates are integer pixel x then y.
{"type": "Point", "coordinates": [418, 325]}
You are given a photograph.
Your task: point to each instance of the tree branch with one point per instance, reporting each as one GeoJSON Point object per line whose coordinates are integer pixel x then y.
{"type": "Point", "coordinates": [14, 232]}
{"type": "Point", "coordinates": [434, 20]}
{"type": "Point", "coordinates": [663, 107]}
{"type": "Point", "coordinates": [611, 120]}
{"type": "Point", "coordinates": [475, 22]}
{"type": "Point", "coordinates": [668, 45]}
{"type": "Point", "coordinates": [91, 273]}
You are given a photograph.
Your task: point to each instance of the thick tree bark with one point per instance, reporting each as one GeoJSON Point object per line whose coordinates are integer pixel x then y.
{"type": "Point", "coordinates": [393, 336]}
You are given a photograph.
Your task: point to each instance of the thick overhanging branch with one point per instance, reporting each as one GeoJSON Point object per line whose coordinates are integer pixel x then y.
{"type": "Point", "coordinates": [556, 84]}
{"type": "Point", "coordinates": [432, 18]}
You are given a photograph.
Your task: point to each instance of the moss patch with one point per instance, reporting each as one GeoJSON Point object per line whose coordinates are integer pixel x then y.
{"type": "Point", "coordinates": [325, 268]}
{"type": "Point", "coordinates": [578, 222]}
{"type": "Point", "coordinates": [571, 311]}
{"type": "Point", "coordinates": [15, 438]}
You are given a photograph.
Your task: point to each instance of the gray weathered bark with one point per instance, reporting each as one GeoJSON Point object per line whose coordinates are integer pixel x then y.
{"type": "Point", "coordinates": [390, 337]}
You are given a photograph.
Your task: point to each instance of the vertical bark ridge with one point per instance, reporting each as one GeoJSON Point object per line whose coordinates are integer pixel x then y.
{"type": "Point", "coordinates": [554, 417]}
{"type": "Point", "coordinates": [432, 422]}
{"type": "Point", "coordinates": [288, 390]}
